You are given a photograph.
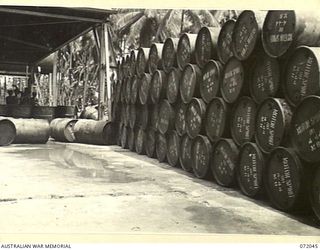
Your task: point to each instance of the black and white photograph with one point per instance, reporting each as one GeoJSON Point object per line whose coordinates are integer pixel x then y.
{"type": "Point", "coordinates": [159, 123]}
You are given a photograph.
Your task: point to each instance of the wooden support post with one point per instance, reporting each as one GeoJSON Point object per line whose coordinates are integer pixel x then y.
{"type": "Point", "coordinates": [5, 88]}
{"type": "Point", "coordinates": [102, 73]}
{"type": "Point", "coordinates": [97, 39]}
{"type": "Point", "coordinates": [31, 78]}
{"type": "Point", "coordinates": [85, 88]}
{"type": "Point", "coordinates": [108, 80]}
{"type": "Point", "coordinates": [2, 94]}
{"type": "Point", "coordinates": [54, 81]}
{"type": "Point", "coordinates": [50, 89]}
{"type": "Point", "coordinates": [38, 86]}
{"type": "Point", "coordinates": [69, 96]}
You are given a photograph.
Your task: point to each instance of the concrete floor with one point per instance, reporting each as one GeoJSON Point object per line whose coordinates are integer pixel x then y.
{"type": "Point", "coordinates": [77, 188]}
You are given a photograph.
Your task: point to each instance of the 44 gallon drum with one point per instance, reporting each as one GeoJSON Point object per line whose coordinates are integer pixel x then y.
{"type": "Point", "coordinates": [169, 56]}
{"type": "Point", "coordinates": [186, 49]}
{"type": "Point", "coordinates": [166, 117]}
{"type": "Point", "coordinates": [141, 139]}
{"type": "Point", "coordinates": [62, 129]}
{"type": "Point", "coordinates": [142, 61]}
{"type": "Point", "coordinates": [155, 54]}
{"type": "Point", "coordinates": [265, 80]}
{"type": "Point", "coordinates": [135, 86]}
{"type": "Point", "coordinates": [206, 45]}
{"type": "Point", "coordinates": [180, 120]}
{"type": "Point", "coordinates": [132, 136]}
{"type": "Point", "coordinates": [201, 157]}
{"type": "Point", "coordinates": [225, 162]}
{"type": "Point", "coordinates": [302, 75]}
{"type": "Point", "coordinates": [225, 51]}
{"type": "Point", "coordinates": [190, 82]}
{"type": "Point", "coordinates": [161, 147]}
{"type": "Point", "coordinates": [186, 153]}
{"type": "Point", "coordinates": [173, 148]}
{"type": "Point", "coordinates": [195, 115]}
{"type": "Point", "coordinates": [315, 193]}
{"type": "Point", "coordinates": [211, 78]}
{"type": "Point", "coordinates": [7, 132]}
{"type": "Point", "coordinates": [151, 143]}
{"type": "Point", "coordinates": [216, 120]}
{"type": "Point", "coordinates": [286, 29]}
{"type": "Point", "coordinates": [173, 88]}
{"type": "Point", "coordinates": [285, 180]}
{"type": "Point", "coordinates": [251, 170]}
{"type": "Point", "coordinates": [144, 90]}
{"type": "Point", "coordinates": [246, 33]}
{"type": "Point", "coordinates": [305, 129]}
{"type": "Point", "coordinates": [272, 124]}
{"type": "Point", "coordinates": [158, 88]}
{"type": "Point", "coordinates": [233, 81]}
{"type": "Point", "coordinates": [243, 120]}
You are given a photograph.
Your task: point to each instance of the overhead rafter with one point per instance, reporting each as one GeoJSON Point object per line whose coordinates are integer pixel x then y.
{"type": "Point", "coordinates": [44, 14]}
{"type": "Point", "coordinates": [25, 42]}
{"type": "Point", "coordinates": [67, 42]}
{"type": "Point", "coordinates": [37, 24]}
{"type": "Point", "coordinates": [12, 62]}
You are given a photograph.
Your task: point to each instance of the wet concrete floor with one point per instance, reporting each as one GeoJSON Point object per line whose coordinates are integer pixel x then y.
{"type": "Point", "coordinates": [77, 188]}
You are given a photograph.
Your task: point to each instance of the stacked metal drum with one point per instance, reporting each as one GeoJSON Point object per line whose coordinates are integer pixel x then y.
{"type": "Point", "coordinates": [238, 104]}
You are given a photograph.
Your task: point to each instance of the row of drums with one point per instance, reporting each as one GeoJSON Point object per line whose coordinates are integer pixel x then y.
{"type": "Point", "coordinates": [289, 182]}
{"type": "Point", "coordinates": [277, 32]}
{"type": "Point", "coordinates": [271, 124]}
{"type": "Point", "coordinates": [268, 62]}
{"type": "Point", "coordinates": [38, 131]}
{"type": "Point", "coordinates": [284, 161]}
{"type": "Point", "coordinates": [261, 77]}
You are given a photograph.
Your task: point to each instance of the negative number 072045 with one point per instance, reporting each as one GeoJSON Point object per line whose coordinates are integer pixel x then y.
{"type": "Point", "coordinates": [309, 246]}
